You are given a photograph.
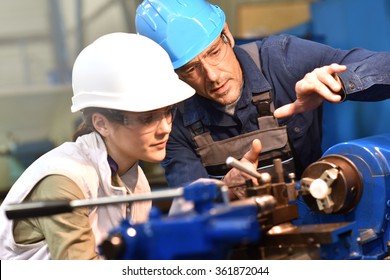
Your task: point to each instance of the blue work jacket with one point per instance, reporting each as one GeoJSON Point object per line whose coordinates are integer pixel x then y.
{"type": "Point", "coordinates": [285, 60]}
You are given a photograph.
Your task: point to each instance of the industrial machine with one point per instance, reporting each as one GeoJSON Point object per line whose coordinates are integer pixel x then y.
{"type": "Point", "coordinates": [208, 230]}
{"type": "Point", "coordinates": [340, 209]}
{"type": "Point", "coordinates": [343, 204]}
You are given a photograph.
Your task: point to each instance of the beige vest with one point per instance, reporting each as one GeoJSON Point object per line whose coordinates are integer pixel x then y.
{"type": "Point", "coordinates": [84, 162]}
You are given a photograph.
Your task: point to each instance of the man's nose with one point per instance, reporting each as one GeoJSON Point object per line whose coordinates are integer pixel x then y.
{"type": "Point", "coordinates": [210, 71]}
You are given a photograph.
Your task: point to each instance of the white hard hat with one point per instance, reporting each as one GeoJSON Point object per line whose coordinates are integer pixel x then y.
{"type": "Point", "coordinates": [128, 72]}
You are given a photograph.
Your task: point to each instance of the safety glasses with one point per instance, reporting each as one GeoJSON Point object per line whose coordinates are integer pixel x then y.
{"type": "Point", "coordinates": [148, 121]}
{"type": "Point", "coordinates": [215, 54]}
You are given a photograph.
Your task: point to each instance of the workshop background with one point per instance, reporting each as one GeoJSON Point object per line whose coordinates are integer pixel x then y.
{"type": "Point", "coordinates": [40, 39]}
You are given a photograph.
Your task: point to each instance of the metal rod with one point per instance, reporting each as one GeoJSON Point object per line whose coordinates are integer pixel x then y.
{"type": "Point", "coordinates": [262, 177]}
{"type": "Point", "coordinates": [155, 195]}
{"type": "Point", "coordinates": [232, 162]}
{"type": "Point", "coordinates": [46, 208]}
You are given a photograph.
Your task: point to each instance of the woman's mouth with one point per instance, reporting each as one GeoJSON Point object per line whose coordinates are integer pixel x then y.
{"type": "Point", "coordinates": [160, 145]}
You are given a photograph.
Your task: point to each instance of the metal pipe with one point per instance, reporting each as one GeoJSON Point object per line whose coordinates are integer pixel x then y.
{"type": "Point", "coordinates": [47, 208]}
{"type": "Point", "coordinates": [261, 177]}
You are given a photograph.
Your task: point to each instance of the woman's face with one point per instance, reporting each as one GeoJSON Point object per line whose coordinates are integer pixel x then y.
{"type": "Point", "coordinates": [142, 136]}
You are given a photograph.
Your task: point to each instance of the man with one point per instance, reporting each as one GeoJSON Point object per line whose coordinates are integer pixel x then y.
{"type": "Point", "coordinates": [239, 87]}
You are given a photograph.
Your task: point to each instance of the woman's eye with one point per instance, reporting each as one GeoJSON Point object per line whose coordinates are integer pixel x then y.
{"type": "Point", "coordinates": [146, 119]}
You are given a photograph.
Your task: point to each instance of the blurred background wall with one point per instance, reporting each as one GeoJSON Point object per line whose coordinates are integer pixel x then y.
{"type": "Point", "coordinates": [40, 39]}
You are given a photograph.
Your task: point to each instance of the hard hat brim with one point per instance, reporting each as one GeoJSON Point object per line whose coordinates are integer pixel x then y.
{"type": "Point", "coordinates": [178, 92]}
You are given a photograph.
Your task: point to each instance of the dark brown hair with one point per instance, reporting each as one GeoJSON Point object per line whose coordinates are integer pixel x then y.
{"type": "Point", "coordinates": [86, 126]}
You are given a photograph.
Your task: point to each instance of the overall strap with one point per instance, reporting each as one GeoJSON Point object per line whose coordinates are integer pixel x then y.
{"type": "Point", "coordinates": [263, 101]}
{"type": "Point", "coordinates": [252, 49]}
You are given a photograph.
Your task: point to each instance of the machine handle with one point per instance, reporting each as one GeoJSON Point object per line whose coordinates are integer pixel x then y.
{"type": "Point", "coordinates": [51, 207]}
{"type": "Point", "coordinates": [37, 209]}
{"type": "Point", "coordinates": [261, 177]}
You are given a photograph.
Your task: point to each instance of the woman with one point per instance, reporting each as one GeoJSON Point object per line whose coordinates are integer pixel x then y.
{"type": "Point", "coordinates": [126, 88]}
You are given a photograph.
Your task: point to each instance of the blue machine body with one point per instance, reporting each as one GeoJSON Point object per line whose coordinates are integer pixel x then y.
{"type": "Point", "coordinates": [208, 231]}
{"type": "Point", "coordinates": [370, 217]}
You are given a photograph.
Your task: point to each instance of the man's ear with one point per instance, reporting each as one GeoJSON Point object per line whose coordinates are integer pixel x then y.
{"type": "Point", "coordinates": [226, 31]}
{"type": "Point", "coordinates": [100, 123]}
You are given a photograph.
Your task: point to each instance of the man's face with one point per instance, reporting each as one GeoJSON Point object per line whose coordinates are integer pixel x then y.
{"type": "Point", "coordinates": [215, 73]}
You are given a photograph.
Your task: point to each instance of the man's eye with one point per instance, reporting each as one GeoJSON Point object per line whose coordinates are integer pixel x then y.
{"type": "Point", "coordinates": [215, 53]}
{"type": "Point", "coordinates": [191, 69]}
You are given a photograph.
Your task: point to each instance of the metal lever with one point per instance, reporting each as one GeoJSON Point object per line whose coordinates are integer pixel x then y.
{"type": "Point", "coordinates": [52, 207]}
{"type": "Point", "coordinates": [262, 178]}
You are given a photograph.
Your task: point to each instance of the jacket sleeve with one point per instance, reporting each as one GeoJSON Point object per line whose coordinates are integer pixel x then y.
{"type": "Point", "coordinates": [367, 76]}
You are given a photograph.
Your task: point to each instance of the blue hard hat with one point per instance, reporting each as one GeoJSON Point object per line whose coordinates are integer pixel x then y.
{"type": "Point", "coordinates": [184, 28]}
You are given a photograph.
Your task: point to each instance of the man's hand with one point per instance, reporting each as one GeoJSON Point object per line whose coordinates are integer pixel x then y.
{"type": "Point", "coordinates": [235, 177]}
{"type": "Point", "coordinates": [319, 85]}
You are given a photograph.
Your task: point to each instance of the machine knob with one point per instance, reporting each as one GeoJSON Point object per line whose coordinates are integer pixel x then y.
{"type": "Point", "coordinates": [113, 247]}
{"type": "Point", "coordinates": [331, 185]}
{"type": "Point", "coordinates": [319, 189]}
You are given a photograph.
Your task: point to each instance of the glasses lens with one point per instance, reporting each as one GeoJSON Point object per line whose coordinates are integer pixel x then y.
{"type": "Point", "coordinates": [217, 54]}
{"type": "Point", "coordinates": [147, 121]}
{"type": "Point", "coordinates": [172, 112]}
{"type": "Point", "coordinates": [214, 56]}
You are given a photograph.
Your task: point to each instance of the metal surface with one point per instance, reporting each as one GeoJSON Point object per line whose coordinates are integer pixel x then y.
{"type": "Point", "coordinates": [346, 190]}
